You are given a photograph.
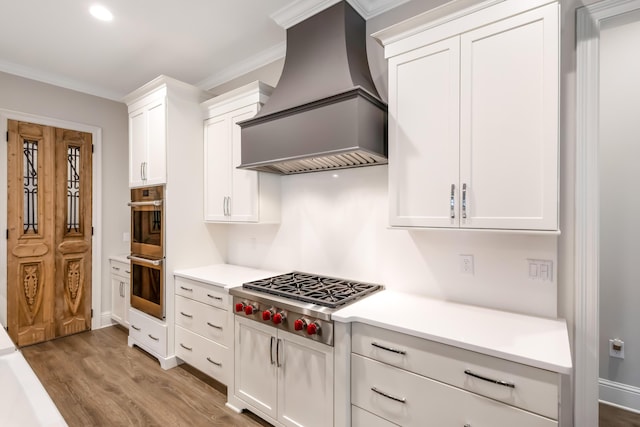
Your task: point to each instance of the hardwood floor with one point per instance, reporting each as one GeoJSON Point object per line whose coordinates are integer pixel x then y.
{"type": "Point", "coordinates": [610, 416]}
{"type": "Point", "coordinates": [95, 379]}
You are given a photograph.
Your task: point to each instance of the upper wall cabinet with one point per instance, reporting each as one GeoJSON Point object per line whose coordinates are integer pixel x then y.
{"type": "Point", "coordinates": [473, 117]}
{"type": "Point", "coordinates": [151, 109]}
{"type": "Point", "coordinates": [231, 194]}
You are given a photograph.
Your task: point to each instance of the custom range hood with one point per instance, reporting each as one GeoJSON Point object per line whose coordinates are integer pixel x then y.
{"type": "Point", "coordinates": [325, 112]}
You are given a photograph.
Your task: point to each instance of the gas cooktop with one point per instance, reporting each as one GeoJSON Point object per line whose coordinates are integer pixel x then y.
{"type": "Point", "coordinates": [320, 290]}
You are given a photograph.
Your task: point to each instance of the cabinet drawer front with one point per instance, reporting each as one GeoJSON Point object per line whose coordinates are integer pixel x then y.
{"type": "Point", "coordinates": [120, 268]}
{"type": "Point", "coordinates": [148, 332]}
{"type": "Point", "coordinates": [210, 322]}
{"type": "Point", "coordinates": [409, 400]}
{"type": "Point", "coordinates": [207, 294]}
{"type": "Point", "coordinates": [207, 356]}
{"type": "Point", "coordinates": [362, 418]}
{"type": "Point", "coordinates": [535, 390]}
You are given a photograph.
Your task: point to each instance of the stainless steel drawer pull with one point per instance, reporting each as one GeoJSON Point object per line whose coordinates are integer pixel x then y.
{"type": "Point", "coordinates": [153, 338]}
{"type": "Point", "coordinates": [214, 326]}
{"type": "Point", "coordinates": [271, 350]}
{"type": "Point", "coordinates": [186, 289]}
{"type": "Point", "coordinates": [116, 268]}
{"type": "Point", "coordinates": [491, 380]}
{"type": "Point", "coordinates": [185, 347]}
{"type": "Point", "coordinates": [392, 350]}
{"type": "Point", "coordinates": [135, 327]}
{"type": "Point", "coordinates": [128, 271]}
{"type": "Point", "coordinates": [464, 201]}
{"type": "Point", "coordinates": [215, 363]}
{"type": "Point", "coordinates": [452, 201]}
{"type": "Point", "coordinates": [186, 315]}
{"type": "Point", "coordinates": [214, 297]}
{"type": "Point", "coordinates": [388, 396]}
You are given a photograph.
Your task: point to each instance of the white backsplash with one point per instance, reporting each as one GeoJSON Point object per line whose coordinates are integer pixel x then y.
{"type": "Point", "coordinates": [335, 223]}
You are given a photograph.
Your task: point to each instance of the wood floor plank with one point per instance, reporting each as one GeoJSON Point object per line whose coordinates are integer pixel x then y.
{"type": "Point", "coordinates": [95, 379]}
{"type": "Point", "coordinates": [610, 416]}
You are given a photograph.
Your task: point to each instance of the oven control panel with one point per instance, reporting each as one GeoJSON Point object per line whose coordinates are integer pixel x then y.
{"type": "Point", "coordinates": [297, 323]}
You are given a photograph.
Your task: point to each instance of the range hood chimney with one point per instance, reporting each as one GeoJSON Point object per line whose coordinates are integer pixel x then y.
{"type": "Point", "coordinates": [325, 112]}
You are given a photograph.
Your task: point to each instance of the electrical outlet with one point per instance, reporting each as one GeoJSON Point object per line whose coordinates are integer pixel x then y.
{"type": "Point", "coordinates": [616, 348]}
{"type": "Point", "coordinates": [466, 264]}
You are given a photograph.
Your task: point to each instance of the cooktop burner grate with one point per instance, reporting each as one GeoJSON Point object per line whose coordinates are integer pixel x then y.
{"type": "Point", "coordinates": [321, 290]}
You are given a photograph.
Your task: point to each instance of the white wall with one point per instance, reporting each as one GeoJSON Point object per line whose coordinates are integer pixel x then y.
{"type": "Point", "coordinates": [31, 97]}
{"type": "Point", "coordinates": [619, 196]}
{"type": "Point", "coordinates": [338, 226]}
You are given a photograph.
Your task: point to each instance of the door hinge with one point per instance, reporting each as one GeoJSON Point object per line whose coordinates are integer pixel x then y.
{"type": "Point", "coordinates": [91, 148]}
{"type": "Point", "coordinates": [7, 136]}
{"type": "Point", "coordinates": [92, 231]}
{"type": "Point", "coordinates": [7, 234]}
{"type": "Point", "coordinates": [92, 313]}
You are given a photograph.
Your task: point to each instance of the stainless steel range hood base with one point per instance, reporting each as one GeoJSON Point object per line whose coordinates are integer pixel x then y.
{"type": "Point", "coordinates": [350, 126]}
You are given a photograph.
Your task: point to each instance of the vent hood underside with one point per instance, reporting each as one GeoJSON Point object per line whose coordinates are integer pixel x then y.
{"type": "Point", "coordinates": [325, 112]}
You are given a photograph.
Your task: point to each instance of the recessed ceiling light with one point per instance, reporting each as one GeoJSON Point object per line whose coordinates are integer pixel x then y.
{"type": "Point", "coordinates": [101, 13]}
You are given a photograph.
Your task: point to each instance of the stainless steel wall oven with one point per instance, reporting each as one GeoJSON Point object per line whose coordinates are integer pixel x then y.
{"type": "Point", "coordinates": [147, 250]}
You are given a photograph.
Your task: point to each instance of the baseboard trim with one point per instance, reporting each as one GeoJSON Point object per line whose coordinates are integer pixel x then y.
{"type": "Point", "coordinates": [105, 320]}
{"type": "Point", "coordinates": [620, 395]}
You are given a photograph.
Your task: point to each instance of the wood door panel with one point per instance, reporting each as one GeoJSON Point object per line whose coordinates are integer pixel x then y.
{"type": "Point", "coordinates": [49, 239]}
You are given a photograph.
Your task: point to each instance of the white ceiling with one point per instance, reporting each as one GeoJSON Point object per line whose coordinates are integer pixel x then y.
{"type": "Point", "coordinates": [201, 42]}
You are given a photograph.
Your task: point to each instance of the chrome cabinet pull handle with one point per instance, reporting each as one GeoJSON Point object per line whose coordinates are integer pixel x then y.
{"type": "Point", "coordinates": [464, 201]}
{"type": "Point", "coordinates": [452, 202]}
{"type": "Point", "coordinates": [185, 347]}
{"type": "Point", "coordinates": [116, 268]}
{"type": "Point", "coordinates": [229, 206]}
{"type": "Point", "coordinates": [271, 350]}
{"type": "Point", "coordinates": [214, 297]}
{"type": "Point", "coordinates": [142, 171]}
{"type": "Point", "coordinates": [389, 396]}
{"type": "Point", "coordinates": [190, 316]}
{"type": "Point", "coordinates": [278, 364]}
{"type": "Point", "coordinates": [215, 363]}
{"type": "Point", "coordinates": [224, 206]}
{"type": "Point", "coordinates": [128, 271]}
{"type": "Point", "coordinates": [145, 171]}
{"type": "Point", "coordinates": [391, 349]}
{"type": "Point", "coordinates": [491, 380]}
{"type": "Point", "coordinates": [135, 327]}
{"type": "Point", "coordinates": [122, 289]}
{"type": "Point", "coordinates": [214, 326]}
{"type": "Point", "coordinates": [186, 289]}
{"type": "Point", "coordinates": [153, 338]}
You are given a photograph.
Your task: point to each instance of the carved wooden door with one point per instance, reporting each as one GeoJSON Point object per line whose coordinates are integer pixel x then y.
{"type": "Point", "coordinates": [49, 232]}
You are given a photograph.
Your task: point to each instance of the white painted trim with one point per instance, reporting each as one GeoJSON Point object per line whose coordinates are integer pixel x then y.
{"type": "Point", "coordinates": [620, 395]}
{"type": "Point", "coordinates": [586, 297]}
{"type": "Point", "coordinates": [96, 253]}
{"type": "Point", "coordinates": [105, 320]}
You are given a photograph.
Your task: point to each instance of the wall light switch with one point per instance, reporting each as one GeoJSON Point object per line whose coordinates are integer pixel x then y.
{"type": "Point", "coordinates": [541, 269]}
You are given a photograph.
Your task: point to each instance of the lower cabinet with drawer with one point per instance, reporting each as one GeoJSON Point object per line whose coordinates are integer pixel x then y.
{"type": "Point", "coordinates": [397, 379]}
{"type": "Point", "coordinates": [148, 333]}
{"type": "Point", "coordinates": [204, 328]}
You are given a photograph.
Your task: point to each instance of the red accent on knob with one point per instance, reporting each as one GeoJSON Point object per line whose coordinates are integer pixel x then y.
{"type": "Point", "coordinates": [266, 315]}
{"type": "Point", "coordinates": [278, 318]}
{"type": "Point", "coordinates": [239, 306]}
{"type": "Point", "coordinates": [299, 325]}
{"type": "Point", "coordinates": [313, 328]}
{"type": "Point", "coordinates": [248, 310]}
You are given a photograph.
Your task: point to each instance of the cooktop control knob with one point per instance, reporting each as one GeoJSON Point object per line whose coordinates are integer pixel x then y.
{"type": "Point", "coordinates": [299, 325]}
{"type": "Point", "coordinates": [249, 309]}
{"type": "Point", "coordinates": [279, 317]}
{"type": "Point", "coordinates": [313, 328]}
{"type": "Point", "coordinates": [239, 307]}
{"type": "Point", "coordinates": [266, 315]}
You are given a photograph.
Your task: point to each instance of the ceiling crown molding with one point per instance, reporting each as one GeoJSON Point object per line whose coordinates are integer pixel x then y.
{"type": "Point", "coordinates": [300, 10]}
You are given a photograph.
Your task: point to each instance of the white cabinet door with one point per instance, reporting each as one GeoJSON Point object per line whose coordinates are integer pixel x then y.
{"type": "Point", "coordinates": [137, 146]}
{"type": "Point", "coordinates": [243, 205]}
{"type": "Point", "coordinates": [256, 379]}
{"type": "Point", "coordinates": [117, 299]}
{"type": "Point", "coordinates": [509, 122]}
{"type": "Point", "coordinates": [305, 382]}
{"type": "Point", "coordinates": [423, 136]}
{"type": "Point", "coordinates": [156, 167]}
{"type": "Point", "coordinates": [217, 175]}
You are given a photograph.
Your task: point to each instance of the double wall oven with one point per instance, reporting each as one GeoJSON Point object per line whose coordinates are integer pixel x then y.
{"type": "Point", "coordinates": [147, 250]}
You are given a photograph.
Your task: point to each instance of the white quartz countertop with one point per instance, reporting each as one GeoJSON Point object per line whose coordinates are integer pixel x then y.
{"type": "Point", "coordinates": [120, 258]}
{"type": "Point", "coordinates": [6, 345]}
{"type": "Point", "coordinates": [534, 341]}
{"type": "Point", "coordinates": [224, 275]}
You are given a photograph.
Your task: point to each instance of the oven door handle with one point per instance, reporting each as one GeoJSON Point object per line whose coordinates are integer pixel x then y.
{"type": "Point", "coordinates": [154, 262]}
{"type": "Point", "coordinates": [147, 203]}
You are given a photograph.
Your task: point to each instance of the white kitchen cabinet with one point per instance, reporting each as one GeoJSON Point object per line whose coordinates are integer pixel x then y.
{"type": "Point", "coordinates": [473, 118]}
{"type": "Point", "coordinates": [284, 377]}
{"type": "Point", "coordinates": [204, 328]}
{"type": "Point", "coordinates": [120, 279]}
{"type": "Point", "coordinates": [392, 372]}
{"type": "Point", "coordinates": [150, 334]}
{"type": "Point", "coordinates": [231, 194]}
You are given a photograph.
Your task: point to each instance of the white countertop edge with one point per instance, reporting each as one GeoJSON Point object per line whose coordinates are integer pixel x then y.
{"type": "Point", "coordinates": [222, 275]}
{"type": "Point", "coordinates": [440, 321]}
{"type": "Point", "coordinates": [120, 258]}
{"type": "Point", "coordinates": [537, 363]}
